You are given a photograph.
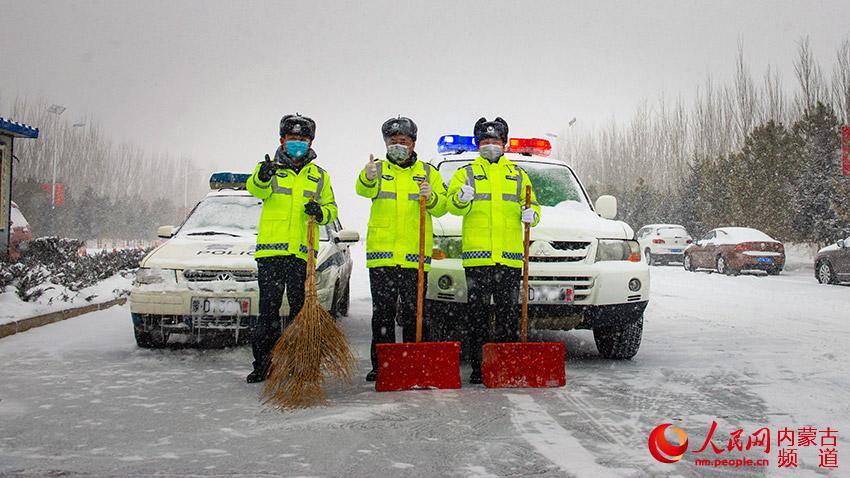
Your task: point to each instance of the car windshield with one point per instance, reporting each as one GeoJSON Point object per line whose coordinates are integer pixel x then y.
{"type": "Point", "coordinates": [553, 183]}
{"type": "Point", "coordinates": [235, 216]}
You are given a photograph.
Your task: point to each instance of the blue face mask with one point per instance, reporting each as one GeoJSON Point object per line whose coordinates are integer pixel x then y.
{"type": "Point", "coordinates": [296, 149]}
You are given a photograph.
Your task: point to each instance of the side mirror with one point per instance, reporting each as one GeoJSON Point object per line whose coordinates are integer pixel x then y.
{"type": "Point", "coordinates": [348, 236]}
{"type": "Point", "coordinates": [606, 206]}
{"type": "Point", "coordinates": [165, 232]}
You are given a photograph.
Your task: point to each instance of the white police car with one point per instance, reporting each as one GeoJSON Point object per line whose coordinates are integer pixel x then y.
{"type": "Point", "coordinates": [585, 269]}
{"type": "Point", "coordinates": [201, 284]}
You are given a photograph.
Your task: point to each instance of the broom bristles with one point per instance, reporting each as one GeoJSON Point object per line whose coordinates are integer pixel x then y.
{"type": "Point", "coordinates": [311, 346]}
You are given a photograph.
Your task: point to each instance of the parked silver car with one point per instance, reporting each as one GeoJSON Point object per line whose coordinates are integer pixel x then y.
{"type": "Point", "coordinates": [832, 263]}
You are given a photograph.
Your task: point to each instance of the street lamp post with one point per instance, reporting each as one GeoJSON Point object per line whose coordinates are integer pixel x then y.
{"type": "Point", "coordinates": [57, 110]}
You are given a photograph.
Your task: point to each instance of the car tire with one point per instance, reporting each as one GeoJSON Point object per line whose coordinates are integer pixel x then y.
{"type": "Point", "coordinates": [723, 267]}
{"type": "Point", "coordinates": [148, 340]}
{"type": "Point", "coordinates": [687, 264]}
{"type": "Point", "coordinates": [619, 342]}
{"type": "Point", "coordinates": [345, 301]}
{"type": "Point", "coordinates": [825, 273]}
{"type": "Point", "coordinates": [648, 254]}
{"type": "Point", "coordinates": [774, 271]}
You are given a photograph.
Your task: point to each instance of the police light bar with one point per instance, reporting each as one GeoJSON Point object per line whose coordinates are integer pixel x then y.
{"type": "Point", "coordinates": [456, 144]}
{"type": "Point", "coordinates": [228, 180]}
{"type": "Point", "coordinates": [530, 146]}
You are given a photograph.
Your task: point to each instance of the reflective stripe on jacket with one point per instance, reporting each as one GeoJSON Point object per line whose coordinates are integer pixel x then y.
{"type": "Point", "coordinates": [283, 223]}
{"type": "Point", "coordinates": [492, 224]}
{"type": "Point", "coordinates": [393, 235]}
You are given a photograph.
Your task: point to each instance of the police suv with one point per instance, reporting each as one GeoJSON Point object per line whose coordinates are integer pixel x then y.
{"type": "Point", "coordinates": [585, 269]}
{"type": "Point", "coordinates": [201, 284]}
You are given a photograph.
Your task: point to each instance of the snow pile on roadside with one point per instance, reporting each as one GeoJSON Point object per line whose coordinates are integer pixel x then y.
{"type": "Point", "coordinates": [52, 276]}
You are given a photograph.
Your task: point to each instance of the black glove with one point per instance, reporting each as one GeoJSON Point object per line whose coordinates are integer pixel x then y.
{"type": "Point", "coordinates": [267, 170]}
{"type": "Point", "coordinates": [313, 209]}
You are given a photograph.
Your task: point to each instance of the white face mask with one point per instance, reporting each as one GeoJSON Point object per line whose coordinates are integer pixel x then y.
{"type": "Point", "coordinates": [398, 153]}
{"type": "Point", "coordinates": [491, 152]}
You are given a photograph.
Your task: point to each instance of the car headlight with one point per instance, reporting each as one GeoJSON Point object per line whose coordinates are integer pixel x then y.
{"type": "Point", "coordinates": [155, 275]}
{"type": "Point", "coordinates": [618, 250]}
{"type": "Point", "coordinates": [447, 247]}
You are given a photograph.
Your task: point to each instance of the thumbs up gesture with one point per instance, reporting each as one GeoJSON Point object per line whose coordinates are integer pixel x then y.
{"type": "Point", "coordinates": [371, 169]}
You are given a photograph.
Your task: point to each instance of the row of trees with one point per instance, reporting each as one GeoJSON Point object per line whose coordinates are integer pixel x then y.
{"type": "Point", "coordinates": [740, 155]}
{"type": "Point", "coordinates": [114, 191]}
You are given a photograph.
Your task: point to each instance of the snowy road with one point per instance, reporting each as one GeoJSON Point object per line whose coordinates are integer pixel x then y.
{"type": "Point", "coordinates": [748, 352]}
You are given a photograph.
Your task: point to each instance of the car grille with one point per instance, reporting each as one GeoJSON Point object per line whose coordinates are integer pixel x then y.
{"type": "Point", "coordinates": [575, 251]}
{"type": "Point", "coordinates": [197, 275]}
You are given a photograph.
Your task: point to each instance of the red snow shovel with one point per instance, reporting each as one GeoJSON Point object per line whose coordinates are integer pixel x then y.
{"type": "Point", "coordinates": [419, 365]}
{"type": "Point", "coordinates": [523, 364]}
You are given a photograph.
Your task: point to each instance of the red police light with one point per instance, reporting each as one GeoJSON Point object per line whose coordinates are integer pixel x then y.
{"type": "Point", "coordinates": [530, 146]}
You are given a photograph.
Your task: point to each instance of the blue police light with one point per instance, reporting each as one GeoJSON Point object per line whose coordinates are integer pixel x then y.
{"type": "Point", "coordinates": [456, 144]}
{"type": "Point", "coordinates": [228, 180]}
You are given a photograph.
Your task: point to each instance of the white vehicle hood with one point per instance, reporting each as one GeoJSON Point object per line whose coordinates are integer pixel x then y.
{"type": "Point", "coordinates": [204, 252]}
{"type": "Point", "coordinates": [568, 221]}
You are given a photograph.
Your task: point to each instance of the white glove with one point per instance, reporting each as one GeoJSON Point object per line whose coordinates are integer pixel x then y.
{"type": "Point", "coordinates": [466, 194]}
{"type": "Point", "coordinates": [371, 169]}
{"type": "Point", "coordinates": [529, 215]}
{"type": "Point", "coordinates": [425, 189]}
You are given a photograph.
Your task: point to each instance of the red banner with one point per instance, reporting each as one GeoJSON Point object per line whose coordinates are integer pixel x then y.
{"type": "Point", "coordinates": [845, 150]}
{"type": "Point", "coordinates": [60, 192]}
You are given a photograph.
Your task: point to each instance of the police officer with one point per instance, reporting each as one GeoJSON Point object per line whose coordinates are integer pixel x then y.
{"type": "Point", "coordinates": [392, 243]}
{"type": "Point", "coordinates": [490, 195]}
{"type": "Point", "coordinates": [286, 186]}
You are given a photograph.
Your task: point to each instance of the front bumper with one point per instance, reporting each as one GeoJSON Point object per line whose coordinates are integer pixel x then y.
{"type": "Point", "coordinates": [600, 290]}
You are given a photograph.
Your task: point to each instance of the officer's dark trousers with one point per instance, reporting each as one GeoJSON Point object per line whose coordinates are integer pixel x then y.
{"type": "Point", "coordinates": [502, 283]}
{"type": "Point", "coordinates": [274, 274]}
{"type": "Point", "coordinates": [393, 293]}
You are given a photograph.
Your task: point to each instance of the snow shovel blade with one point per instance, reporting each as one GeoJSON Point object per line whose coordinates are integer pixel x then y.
{"type": "Point", "coordinates": [523, 365]}
{"type": "Point", "coordinates": [418, 365]}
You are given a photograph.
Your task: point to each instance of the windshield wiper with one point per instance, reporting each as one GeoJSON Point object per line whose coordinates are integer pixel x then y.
{"type": "Point", "coordinates": [212, 233]}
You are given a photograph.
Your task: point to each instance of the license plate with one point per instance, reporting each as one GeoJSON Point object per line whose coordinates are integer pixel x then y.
{"type": "Point", "coordinates": [216, 307]}
{"type": "Point", "coordinates": [767, 260]}
{"type": "Point", "coordinates": [675, 250]}
{"type": "Point", "coordinates": [550, 294]}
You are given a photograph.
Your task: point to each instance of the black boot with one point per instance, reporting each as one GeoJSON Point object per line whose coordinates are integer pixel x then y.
{"type": "Point", "coordinates": [475, 377]}
{"type": "Point", "coordinates": [257, 376]}
{"type": "Point", "coordinates": [372, 376]}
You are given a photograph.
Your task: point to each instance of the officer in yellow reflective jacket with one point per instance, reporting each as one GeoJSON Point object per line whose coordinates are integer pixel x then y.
{"type": "Point", "coordinates": [286, 186]}
{"type": "Point", "coordinates": [392, 240]}
{"type": "Point", "coordinates": [490, 195]}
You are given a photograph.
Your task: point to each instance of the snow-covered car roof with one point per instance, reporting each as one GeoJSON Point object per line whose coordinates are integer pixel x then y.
{"type": "Point", "coordinates": [664, 225]}
{"type": "Point", "coordinates": [228, 192]}
{"type": "Point", "coordinates": [734, 235]}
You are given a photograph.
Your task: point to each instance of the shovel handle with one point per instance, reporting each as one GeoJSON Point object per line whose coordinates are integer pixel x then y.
{"type": "Point", "coordinates": [526, 239]}
{"type": "Point", "coordinates": [420, 286]}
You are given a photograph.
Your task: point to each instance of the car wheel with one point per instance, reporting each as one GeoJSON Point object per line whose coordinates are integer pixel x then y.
{"type": "Point", "coordinates": [723, 267]}
{"type": "Point", "coordinates": [345, 300]}
{"type": "Point", "coordinates": [825, 273]}
{"type": "Point", "coordinates": [619, 342]}
{"type": "Point", "coordinates": [648, 254]}
{"type": "Point", "coordinates": [774, 271]}
{"type": "Point", "coordinates": [148, 340]}
{"type": "Point", "coordinates": [689, 266]}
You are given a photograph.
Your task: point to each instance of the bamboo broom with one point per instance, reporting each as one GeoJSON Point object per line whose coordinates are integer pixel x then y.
{"type": "Point", "coordinates": [311, 346]}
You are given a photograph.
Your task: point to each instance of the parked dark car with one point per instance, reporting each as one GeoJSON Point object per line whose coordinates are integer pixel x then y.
{"type": "Point", "coordinates": [832, 263]}
{"type": "Point", "coordinates": [729, 250]}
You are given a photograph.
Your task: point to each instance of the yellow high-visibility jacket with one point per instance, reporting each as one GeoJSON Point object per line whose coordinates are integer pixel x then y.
{"type": "Point", "coordinates": [393, 235]}
{"type": "Point", "coordinates": [283, 223]}
{"type": "Point", "coordinates": [492, 225]}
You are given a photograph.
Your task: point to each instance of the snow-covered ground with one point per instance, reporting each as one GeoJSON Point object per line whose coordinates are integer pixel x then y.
{"type": "Point", "coordinates": [748, 352]}
{"type": "Point", "coordinates": [57, 298]}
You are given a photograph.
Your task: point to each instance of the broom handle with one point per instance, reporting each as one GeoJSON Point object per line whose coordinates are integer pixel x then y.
{"type": "Point", "coordinates": [420, 286]}
{"type": "Point", "coordinates": [310, 282]}
{"type": "Point", "coordinates": [526, 239]}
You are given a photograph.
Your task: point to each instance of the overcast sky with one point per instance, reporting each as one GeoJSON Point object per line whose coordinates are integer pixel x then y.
{"type": "Point", "coordinates": [211, 79]}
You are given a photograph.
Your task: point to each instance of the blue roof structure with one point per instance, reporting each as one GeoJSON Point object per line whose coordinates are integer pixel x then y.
{"type": "Point", "coordinates": [17, 130]}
